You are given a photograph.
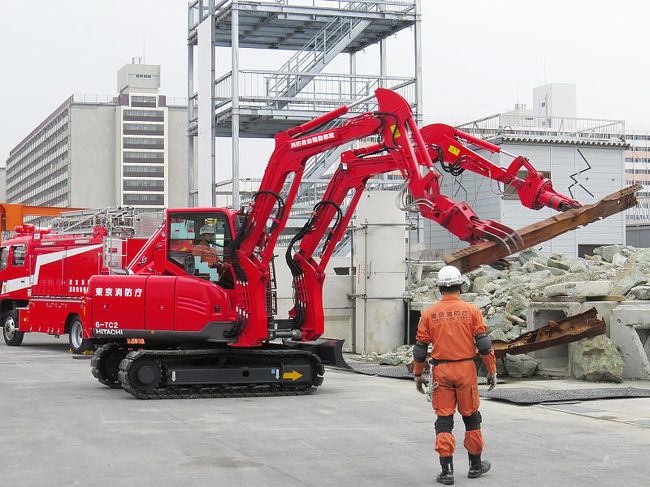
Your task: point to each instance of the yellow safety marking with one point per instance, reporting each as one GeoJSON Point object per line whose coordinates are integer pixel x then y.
{"type": "Point", "coordinates": [293, 375]}
{"type": "Point", "coordinates": [395, 130]}
{"type": "Point", "coordinates": [454, 150]}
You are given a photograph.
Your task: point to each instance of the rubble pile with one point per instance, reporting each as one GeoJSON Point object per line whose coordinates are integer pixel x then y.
{"type": "Point", "coordinates": [503, 295]}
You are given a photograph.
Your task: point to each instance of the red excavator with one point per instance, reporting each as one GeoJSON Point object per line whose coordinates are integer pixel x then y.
{"type": "Point", "coordinates": [193, 313]}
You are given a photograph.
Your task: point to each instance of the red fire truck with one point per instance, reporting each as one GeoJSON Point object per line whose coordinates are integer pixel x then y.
{"type": "Point", "coordinates": [44, 273]}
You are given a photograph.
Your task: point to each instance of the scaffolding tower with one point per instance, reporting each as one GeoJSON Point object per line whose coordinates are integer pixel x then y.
{"type": "Point", "coordinates": [260, 103]}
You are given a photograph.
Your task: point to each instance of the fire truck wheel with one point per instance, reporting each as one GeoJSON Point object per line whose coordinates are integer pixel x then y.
{"type": "Point", "coordinates": [77, 342]}
{"type": "Point", "coordinates": [12, 336]}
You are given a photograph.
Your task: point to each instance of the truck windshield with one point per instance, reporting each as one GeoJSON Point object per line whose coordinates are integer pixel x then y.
{"type": "Point", "coordinates": [18, 258]}
{"type": "Point", "coordinates": [4, 258]}
{"type": "Point", "coordinates": [198, 243]}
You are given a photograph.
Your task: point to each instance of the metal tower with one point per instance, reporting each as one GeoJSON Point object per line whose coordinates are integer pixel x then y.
{"type": "Point", "coordinates": [261, 103]}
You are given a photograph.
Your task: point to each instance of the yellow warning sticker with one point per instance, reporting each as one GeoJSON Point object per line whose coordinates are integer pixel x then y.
{"type": "Point", "coordinates": [395, 130]}
{"type": "Point", "coordinates": [454, 150]}
{"type": "Point", "coordinates": [293, 375]}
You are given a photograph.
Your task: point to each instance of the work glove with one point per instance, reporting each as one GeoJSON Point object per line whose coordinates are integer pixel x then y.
{"type": "Point", "coordinates": [492, 380]}
{"type": "Point", "coordinates": [420, 384]}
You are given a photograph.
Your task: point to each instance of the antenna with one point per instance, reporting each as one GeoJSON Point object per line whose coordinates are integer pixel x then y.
{"type": "Point", "coordinates": [545, 82]}
{"type": "Point", "coordinates": [144, 43]}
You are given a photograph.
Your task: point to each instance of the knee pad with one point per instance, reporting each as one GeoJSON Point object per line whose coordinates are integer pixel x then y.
{"type": "Point", "coordinates": [444, 424]}
{"type": "Point", "coordinates": [473, 421]}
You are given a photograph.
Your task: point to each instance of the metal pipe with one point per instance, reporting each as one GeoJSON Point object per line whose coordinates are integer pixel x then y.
{"type": "Point", "coordinates": [190, 114]}
{"type": "Point", "coordinates": [408, 288]}
{"type": "Point", "coordinates": [213, 128]}
{"type": "Point", "coordinates": [419, 107]}
{"type": "Point", "coordinates": [235, 104]}
{"type": "Point", "coordinates": [365, 289]}
{"type": "Point", "coordinates": [353, 277]}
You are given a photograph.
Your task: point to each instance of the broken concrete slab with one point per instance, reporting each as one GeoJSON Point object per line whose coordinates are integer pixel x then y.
{"type": "Point", "coordinates": [579, 289]}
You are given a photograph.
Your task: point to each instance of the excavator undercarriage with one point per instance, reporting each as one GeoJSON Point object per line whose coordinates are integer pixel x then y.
{"type": "Point", "coordinates": [208, 372]}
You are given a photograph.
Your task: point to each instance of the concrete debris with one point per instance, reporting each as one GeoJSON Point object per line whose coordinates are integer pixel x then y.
{"type": "Point", "coordinates": [608, 252]}
{"type": "Point", "coordinates": [522, 365]}
{"type": "Point", "coordinates": [503, 295]}
{"type": "Point", "coordinates": [640, 293]}
{"type": "Point", "coordinates": [596, 359]}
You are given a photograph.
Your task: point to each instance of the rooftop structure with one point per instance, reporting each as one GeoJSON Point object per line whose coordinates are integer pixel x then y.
{"type": "Point", "coordinates": [260, 103]}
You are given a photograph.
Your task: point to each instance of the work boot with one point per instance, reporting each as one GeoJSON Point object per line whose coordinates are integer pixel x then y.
{"type": "Point", "coordinates": [476, 466]}
{"type": "Point", "coordinates": [447, 475]}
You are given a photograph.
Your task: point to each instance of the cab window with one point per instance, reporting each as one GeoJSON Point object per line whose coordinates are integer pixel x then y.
{"type": "Point", "coordinates": [4, 258]}
{"type": "Point", "coordinates": [198, 243]}
{"type": "Point", "coordinates": [18, 255]}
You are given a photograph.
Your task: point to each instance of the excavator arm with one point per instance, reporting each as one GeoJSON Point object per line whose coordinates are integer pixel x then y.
{"type": "Point", "coordinates": [448, 146]}
{"type": "Point", "coordinates": [252, 249]}
{"type": "Point", "coordinates": [413, 153]}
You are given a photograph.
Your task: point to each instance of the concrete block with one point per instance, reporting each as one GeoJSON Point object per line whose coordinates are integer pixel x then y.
{"type": "Point", "coordinates": [580, 288]}
{"type": "Point", "coordinates": [627, 322]}
{"type": "Point", "coordinates": [607, 252]}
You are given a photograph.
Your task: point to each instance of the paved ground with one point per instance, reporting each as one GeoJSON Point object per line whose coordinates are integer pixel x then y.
{"type": "Point", "coordinates": [60, 427]}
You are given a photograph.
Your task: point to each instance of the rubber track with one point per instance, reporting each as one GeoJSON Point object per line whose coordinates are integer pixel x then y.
{"type": "Point", "coordinates": [223, 390]}
{"type": "Point", "coordinates": [94, 363]}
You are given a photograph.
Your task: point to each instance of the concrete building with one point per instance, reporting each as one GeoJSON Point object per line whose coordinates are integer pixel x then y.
{"type": "Point", "coordinates": [94, 152]}
{"type": "Point", "coordinates": [584, 158]}
{"type": "Point", "coordinates": [637, 170]}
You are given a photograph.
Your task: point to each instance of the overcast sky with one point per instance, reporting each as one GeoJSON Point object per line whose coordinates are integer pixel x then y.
{"type": "Point", "coordinates": [480, 57]}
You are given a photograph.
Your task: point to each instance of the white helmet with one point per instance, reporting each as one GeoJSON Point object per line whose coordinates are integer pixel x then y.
{"type": "Point", "coordinates": [207, 229]}
{"type": "Point", "coordinates": [449, 276]}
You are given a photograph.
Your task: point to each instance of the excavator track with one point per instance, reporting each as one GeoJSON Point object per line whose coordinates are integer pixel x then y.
{"type": "Point", "coordinates": [106, 363]}
{"type": "Point", "coordinates": [160, 374]}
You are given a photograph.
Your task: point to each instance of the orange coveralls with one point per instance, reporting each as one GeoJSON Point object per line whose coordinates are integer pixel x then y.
{"type": "Point", "coordinates": [451, 325]}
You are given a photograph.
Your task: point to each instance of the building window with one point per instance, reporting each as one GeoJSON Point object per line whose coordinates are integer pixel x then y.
{"type": "Point", "coordinates": [143, 129]}
{"type": "Point", "coordinates": [144, 156]}
{"type": "Point", "coordinates": [143, 101]}
{"type": "Point", "coordinates": [144, 171]}
{"type": "Point", "coordinates": [510, 192]}
{"type": "Point", "coordinates": [143, 76]}
{"type": "Point", "coordinates": [144, 199]}
{"type": "Point", "coordinates": [144, 115]}
{"type": "Point", "coordinates": [136, 142]}
{"type": "Point", "coordinates": [143, 185]}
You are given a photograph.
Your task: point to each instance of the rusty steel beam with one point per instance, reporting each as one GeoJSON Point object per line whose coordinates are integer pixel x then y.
{"type": "Point", "coordinates": [476, 255]}
{"type": "Point", "coordinates": [568, 330]}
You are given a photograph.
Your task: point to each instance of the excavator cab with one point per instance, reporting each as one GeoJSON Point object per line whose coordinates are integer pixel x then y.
{"type": "Point", "coordinates": [199, 243]}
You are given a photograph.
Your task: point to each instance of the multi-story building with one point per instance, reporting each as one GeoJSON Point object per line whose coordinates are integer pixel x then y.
{"type": "Point", "coordinates": [637, 170]}
{"type": "Point", "coordinates": [127, 150]}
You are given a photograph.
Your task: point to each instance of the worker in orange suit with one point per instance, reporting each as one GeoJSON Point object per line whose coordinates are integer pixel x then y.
{"type": "Point", "coordinates": [206, 251]}
{"type": "Point", "coordinates": [204, 248]}
{"type": "Point", "coordinates": [455, 329]}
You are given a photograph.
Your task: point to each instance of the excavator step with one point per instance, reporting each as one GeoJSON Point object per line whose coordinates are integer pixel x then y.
{"type": "Point", "coordinates": [472, 257]}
